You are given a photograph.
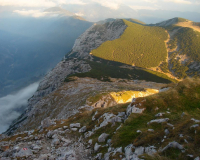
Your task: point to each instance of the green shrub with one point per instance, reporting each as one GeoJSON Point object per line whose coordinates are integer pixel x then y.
{"type": "Point", "coordinates": [139, 45]}
{"type": "Point", "coordinates": [109, 69]}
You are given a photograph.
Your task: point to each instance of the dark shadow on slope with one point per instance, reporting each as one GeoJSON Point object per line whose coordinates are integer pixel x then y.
{"type": "Point", "coordinates": [104, 70]}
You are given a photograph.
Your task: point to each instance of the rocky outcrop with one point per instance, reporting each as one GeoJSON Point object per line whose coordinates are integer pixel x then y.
{"type": "Point", "coordinates": [86, 138]}
{"type": "Point", "coordinates": [70, 99]}
{"type": "Point", "coordinates": [168, 22]}
{"type": "Point", "coordinates": [159, 120]}
{"type": "Point", "coordinates": [43, 146]}
{"type": "Point", "coordinates": [104, 102]}
{"type": "Point", "coordinates": [173, 145]}
{"type": "Point", "coordinates": [55, 78]}
{"type": "Point", "coordinates": [50, 83]}
{"type": "Point", "coordinates": [95, 36]}
{"type": "Point", "coordinates": [91, 39]}
{"type": "Point", "coordinates": [103, 137]}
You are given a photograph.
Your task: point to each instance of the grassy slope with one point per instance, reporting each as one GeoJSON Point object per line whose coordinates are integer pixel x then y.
{"type": "Point", "coordinates": [139, 45]}
{"type": "Point", "coordinates": [182, 98]}
{"type": "Point", "coordinates": [182, 19]}
{"type": "Point", "coordinates": [188, 41]}
{"type": "Point", "coordinates": [187, 37]}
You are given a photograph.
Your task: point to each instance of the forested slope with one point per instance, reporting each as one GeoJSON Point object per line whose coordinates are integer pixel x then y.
{"type": "Point", "coordinates": [139, 45]}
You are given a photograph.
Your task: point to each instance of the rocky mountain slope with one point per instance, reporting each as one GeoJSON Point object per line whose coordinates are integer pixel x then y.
{"type": "Point", "coordinates": [90, 108]}
{"type": "Point", "coordinates": [182, 46]}
{"type": "Point", "coordinates": [79, 61]}
{"type": "Point", "coordinates": [55, 78]}
{"type": "Point", "coordinates": [152, 127]}
{"type": "Point", "coordinates": [172, 48]}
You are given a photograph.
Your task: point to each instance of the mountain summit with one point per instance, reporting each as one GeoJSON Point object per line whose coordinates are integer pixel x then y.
{"type": "Point", "coordinates": [63, 13]}
{"type": "Point", "coordinates": [59, 10]}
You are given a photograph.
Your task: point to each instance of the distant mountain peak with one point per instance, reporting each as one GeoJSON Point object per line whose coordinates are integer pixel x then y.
{"type": "Point", "coordinates": [135, 21]}
{"type": "Point", "coordinates": [172, 21]}
{"type": "Point", "coordinates": [180, 22]}
{"type": "Point", "coordinates": [63, 13]}
{"type": "Point", "coordinates": [59, 10]}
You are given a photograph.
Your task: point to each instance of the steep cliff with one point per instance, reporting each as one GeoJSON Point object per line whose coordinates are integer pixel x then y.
{"type": "Point", "coordinates": [92, 38]}
{"type": "Point", "coordinates": [95, 36]}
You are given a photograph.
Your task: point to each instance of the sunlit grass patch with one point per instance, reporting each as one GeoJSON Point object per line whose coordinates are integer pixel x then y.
{"type": "Point", "coordinates": [139, 45]}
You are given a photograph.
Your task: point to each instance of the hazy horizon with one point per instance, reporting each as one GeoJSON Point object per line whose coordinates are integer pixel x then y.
{"type": "Point", "coordinates": [149, 11]}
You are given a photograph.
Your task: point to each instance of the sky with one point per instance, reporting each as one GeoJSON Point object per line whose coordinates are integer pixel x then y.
{"type": "Point", "coordinates": [35, 8]}
{"type": "Point", "coordinates": [182, 5]}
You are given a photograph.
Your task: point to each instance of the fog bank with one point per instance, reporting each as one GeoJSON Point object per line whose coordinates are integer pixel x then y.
{"type": "Point", "coordinates": [11, 106]}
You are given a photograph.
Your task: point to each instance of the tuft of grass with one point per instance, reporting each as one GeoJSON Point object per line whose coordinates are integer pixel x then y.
{"type": "Point", "coordinates": [97, 97]}
{"type": "Point", "coordinates": [128, 132]}
{"type": "Point", "coordinates": [13, 138]}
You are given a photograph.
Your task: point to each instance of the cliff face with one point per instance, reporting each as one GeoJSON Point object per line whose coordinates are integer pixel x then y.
{"type": "Point", "coordinates": [95, 36]}
{"type": "Point", "coordinates": [54, 79]}
{"type": "Point", "coordinates": [92, 38]}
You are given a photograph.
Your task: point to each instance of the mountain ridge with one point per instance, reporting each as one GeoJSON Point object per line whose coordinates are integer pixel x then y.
{"type": "Point", "coordinates": [74, 111]}
{"type": "Point", "coordinates": [63, 13]}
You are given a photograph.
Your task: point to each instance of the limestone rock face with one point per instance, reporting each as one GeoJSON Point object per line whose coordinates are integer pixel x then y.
{"type": "Point", "coordinates": [50, 83]}
{"type": "Point", "coordinates": [83, 129]}
{"type": "Point", "coordinates": [102, 137]}
{"type": "Point", "coordinates": [173, 145]}
{"type": "Point", "coordinates": [91, 39]}
{"type": "Point", "coordinates": [96, 35]}
{"type": "Point", "coordinates": [46, 123]}
{"type": "Point", "coordinates": [137, 110]}
{"type": "Point", "coordinates": [55, 142]}
{"type": "Point", "coordinates": [96, 147]}
{"type": "Point", "coordinates": [76, 125]}
{"type": "Point", "coordinates": [104, 102]}
{"type": "Point", "coordinates": [54, 79]}
{"type": "Point", "coordinates": [158, 120]}
{"type": "Point", "coordinates": [128, 151]}
{"type": "Point", "coordinates": [24, 152]}
{"type": "Point", "coordinates": [108, 118]}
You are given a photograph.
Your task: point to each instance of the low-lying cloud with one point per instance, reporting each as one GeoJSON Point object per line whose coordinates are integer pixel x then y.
{"type": "Point", "coordinates": [32, 13]}
{"type": "Point", "coordinates": [11, 106]}
{"type": "Point", "coordinates": [179, 1]}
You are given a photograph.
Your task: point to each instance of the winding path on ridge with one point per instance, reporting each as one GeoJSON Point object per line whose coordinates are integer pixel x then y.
{"type": "Point", "coordinates": [188, 24]}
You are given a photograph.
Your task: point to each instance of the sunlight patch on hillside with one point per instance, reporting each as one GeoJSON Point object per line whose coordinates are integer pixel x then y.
{"type": "Point", "coordinates": [127, 96]}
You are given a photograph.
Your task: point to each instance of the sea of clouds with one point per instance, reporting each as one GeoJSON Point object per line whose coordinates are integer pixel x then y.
{"type": "Point", "coordinates": [12, 106]}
